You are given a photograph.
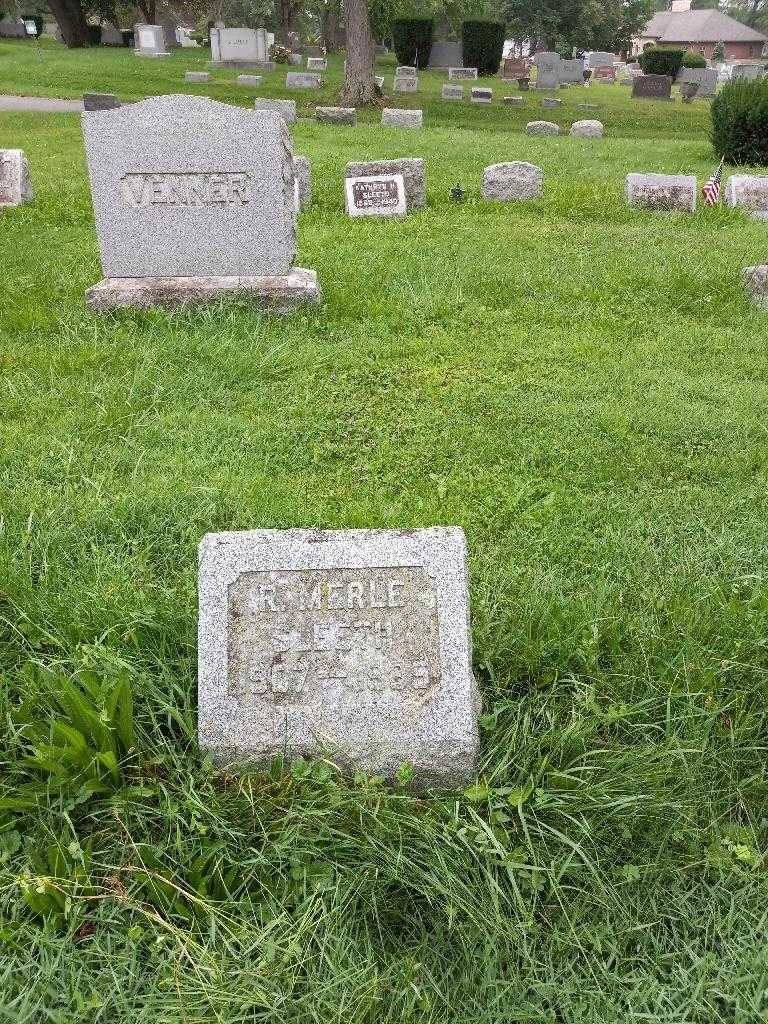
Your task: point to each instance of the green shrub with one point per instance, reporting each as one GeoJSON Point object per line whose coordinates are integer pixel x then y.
{"type": "Point", "coordinates": [740, 122]}
{"type": "Point", "coordinates": [483, 43]}
{"type": "Point", "coordinates": [693, 60]}
{"type": "Point", "coordinates": [660, 60]}
{"type": "Point", "coordinates": [412, 39]}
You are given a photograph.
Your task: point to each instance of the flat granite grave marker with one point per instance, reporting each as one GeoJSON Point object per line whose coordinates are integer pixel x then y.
{"type": "Point", "coordinates": [187, 208]}
{"type": "Point", "coordinates": [352, 645]}
{"type": "Point", "coordinates": [550, 101]}
{"type": "Point", "coordinates": [453, 92]}
{"type": "Point", "coordinates": [513, 101]}
{"type": "Point", "coordinates": [381, 195]}
{"type": "Point", "coordinates": [512, 181]}
{"type": "Point", "coordinates": [652, 87]}
{"type": "Point", "coordinates": [285, 108]}
{"type": "Point", "coordinates": [587, 129]}
{"type": "Point", "coordinates": [662, 191]}
{"type": "Point", "coordinates": [249, 80]}
{"type": "Point", "coordinates": [406, 84]}
{"type": "Point", "coordinates": [482, 95]}
{"type": "Point", "coordinates": [197, 76]}
{"type": "Point", "coordinates": [317, 64]}
{"type": "Point", "coordinates": [395, 117]}
{"type": "Point", "coordinates": [150, 41]}
{"type": "Point", "coordinates": [15, 187]}
{"type": "Point", "coordinates": [748, 192]}
{"type": "Point", "coordinates": [302, 80]}
{"type": "Point", "coordinates": [411, 169]}
{"type": "Point", "coordinates": [406, 71]}
{"type": "Point", "coordinates": [459, 74]}
{"type": "Point", "coordinates": [336, 115]}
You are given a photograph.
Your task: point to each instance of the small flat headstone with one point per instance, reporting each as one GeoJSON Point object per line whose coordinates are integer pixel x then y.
{"type": "Point", "coordinates": [15, 186]}
{"type": "Point", "coordinates": [349, 645]}
{"type": "Point", "coordinates": [405, 84]}
{"type": "Point", "coordinates": [411, 169]}
{"type": "Point", "coordinates": [513, 101]}
{"type": "Point", "coordinates": [295, 60]}
{"type": "Point", "coordinates": [197, 76]}
{"type": "Point", "coordinates": [507, 182]}
{"type": "Point", "coordinates": [286, 108]}
{"type": "Point", "coordinates": [747, 192]}
{"type": "Point", "coordinates": [302, 169]}
{"type": "Point", "coordinates": [587, 129]}
{"type": "Point", "coordinates": [302, 80]}
{"type": "Point", "coordinates": [662, 191]}
{"type": "Point", "coordinates": [317, 64]}
{"type": "Point", "coordinates": [336, 115]}
{"type": "Point", "coordinates": [459, 74]}
{"type": "Point", "coordinates": [588, 106]}
{"type": "Point", "coordinates": [549, 101]}
{"type": "Point", "coordinates": [482, 95]}
{"type": "Point", "coordinates": [756, 282]}
{"type": "Point", "coordinates": [395, 117]}
{"type": "Point", "coordinates": [406, 71]}
{"type": "Point", "coordinates": [250, 80]}
{"type": "Point", "coordinates": [380, 195]}
{"type": "Point", "coordinates": [100, 101]}
{"type": "Point", "coordinates": [542, 128]}
{"type": "Point", "coordinates": [453, 92]}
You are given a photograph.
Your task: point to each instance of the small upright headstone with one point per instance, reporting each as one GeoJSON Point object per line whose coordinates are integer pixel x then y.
{"type": "Point", "coordinates": [197, 77]}
{"type": "Point", "coordinates": [748, 192]}
{"type": "Point", "coordinates": [381, 195]}
{"type": "Point", "coordinates": [587, 129]}
{"type": "Point", "coordinates": [482, 95]}
{"type": "Point", "coordinates": [349, 645]}
{"type": "Point", "coordinates": [188, 209]}
{"type": "Point", "coordinates": [410, 168]}
{"type": "Point", "coordinates": [550, 101]}
{"type": "Point", "coordinates": [512, 181]}
{"type": "Point", "coordinates": [704, 78]}
{"type": "Point", "coordinates": [252, 81]}
{"type": "Point", "coordinates": [302, 80]}
{"type": "Point", "coordinates": [150, 41]}
{"type": "Point", "coordinates": [336, 115]}
{"type": "Point", "coordinates": [317, 64]}
{"type": "Point", "coordinates": [405, 84]}
{"type": "Point", "coordinates": [393, 117]}
{"type": "Point", "coordinates": [513, 101]}
{"type": "Point", "coordinates": [286, 108]}
{"type": "Point", "coordinates": [295, 60]}
{"type": "Point", "coordinates": [15, 187]}
{"type": "Point", "coordinates": [453, 92]}
{"type": "Point", "coordinates": [652, 87]}
{"type": "Point", "coordinates": [606, 75]}
{"type": "Point", "coordinates": [513, 68]}
{"type": "Point", "coordinates": [548, 70]}
{"type": "Point", "coordinates": [756, 281]}
{"type": "Point", "coordinates": [459, 74]}
{"type": "Point", "coordinates": [406, 71]}
{"type": "Point", "coordinates": [662, 191]}
{"type": "Point", "coordinates": [542, 128]}
{"type": "Point", "coordinates": [100, 101]}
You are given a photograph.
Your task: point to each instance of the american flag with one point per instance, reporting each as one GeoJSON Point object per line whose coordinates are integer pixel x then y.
{"type": "Point", "coordinates": [711, 191]}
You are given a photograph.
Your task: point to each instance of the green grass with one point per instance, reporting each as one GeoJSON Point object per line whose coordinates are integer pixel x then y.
{"type": "Point", "coordinates": [582, 388]}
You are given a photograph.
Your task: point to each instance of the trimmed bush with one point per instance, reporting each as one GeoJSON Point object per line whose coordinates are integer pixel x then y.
{"type": "Point", "coordinates": [740, 122]}
{"type": "Point", "coordinates": [483, 44]}
{"type": "Point", "coordinates": [412, 40]}
{"type": "Point", "coordinates": [660, 60]}
{"type": "Point", "coordinates": [693, 60]}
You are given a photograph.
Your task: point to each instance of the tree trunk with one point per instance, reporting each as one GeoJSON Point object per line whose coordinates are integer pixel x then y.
{"type": "Point", "coordinates": [286, 10]}
{"type": "Point", "coordinates": [359, 85]}
{"type": "Point", "coordinates": [71, 21]}
{"type": "Point", "coordinates": [149, 9]}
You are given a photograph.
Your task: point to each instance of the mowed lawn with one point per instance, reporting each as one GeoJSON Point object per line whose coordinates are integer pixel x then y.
{"type": "Point", "coordinates": [581, 387]}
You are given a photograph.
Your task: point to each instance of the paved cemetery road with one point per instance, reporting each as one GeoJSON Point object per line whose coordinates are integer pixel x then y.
{"type": "Point", "coordinates": [44, 104]}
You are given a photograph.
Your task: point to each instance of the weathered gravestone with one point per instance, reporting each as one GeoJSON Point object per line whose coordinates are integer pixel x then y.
{"type": "Point", "coordinates": [453, 92]}
{"type": "Point", "coordinates": [336, 115]}
{"type": "Point", "coordinates": [100, 101]}
{"type": "Point", "coordinates": [445, 53]}
{"type": "Point", "coordinates": [652, 87]}
{"type": "Point", "coordinates": [756, 281]}
{"type": "Point", "coordinates": [302, 80]}
{"type": "Point", "coordinates": [705, 78]}
{"type": "Point", "coordinates": [317, 64]}
{"type": "Point", "coordinates": [302, 170]}
{"type": "Point", "coordinates": [482, 95]}
{"type": "Point", "coordinates": [605, 75]}
{"type": "Point", "coordinates": [572, 72]}
{"type": "Point", "coordinates": [662, 191]}
{"type": "Point", "coordinates": [295, 60]}
{"type": "Point", "coordinates": [748, 192]}
{"type": "Point", "coordinates": [380, 195]}
{"type": "Point", "coordinates": [406, 71]}
{"type": "Point", "coordinates": [748, 72]}
{"type": "Point", "coordinates": [459, 74]}
{"type": "Point", "coordinates": [197, 77]}
{"type": "Point", "coordinates": [549, 101]}
{"type": "Point", "coordinates": [511, 181]}
{"type": "Point", "coordinates": [240, 48]}
{"type": "Point", "coordinates": [352, 645]}
{"type": "Point", "coordinates": [250, 80]}
{"type": "Point", "coordinates": [406, 84]}
{"type": "Point", "coordinates": [410, 168]}
{"type": "Point", "coordinates": [513, 101]}
{"type": "Point", "coordinates": [394, 117]}
{"type": "Point", "coordinates": [548, 70]}
{"type": "Point", "coordinates": [111, 35]}
{"type": "Point", "coordinates": [688, 91]}
{"type": "Point", "coordinates": [150, 41]}
{"type": "Point", "coordinates": [15, 187]}
{"type": "Point", "coordinates": [188, 208]}
{"type": "Point", "coordinates": [601, 58]}
{"type": "Point", "coordinates": [513, 68]}
{"type": "Point", "coordinates": [587, 129]}
{"type": "Point", "coordinates": [286, 108]}
{"type": "Point", "coordinates": [12, 28]}
{"type": "Point", "coordinates": [542, 128]}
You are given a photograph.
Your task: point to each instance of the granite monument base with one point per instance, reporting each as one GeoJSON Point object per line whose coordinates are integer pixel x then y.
{"type": "Point", "coordinates": [282, 294]}
{"type": "Point", "coordinates": [244, 65]}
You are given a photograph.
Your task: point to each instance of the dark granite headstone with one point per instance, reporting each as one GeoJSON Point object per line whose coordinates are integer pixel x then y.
{"type": "Point", "coordinates": [652, 87]}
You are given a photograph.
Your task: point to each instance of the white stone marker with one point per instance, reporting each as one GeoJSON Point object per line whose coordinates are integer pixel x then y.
{"type": "Point", "coordinates": [381, 195]}
{"type": "Point", "coordinates": [197, 76]}
{"type": "Point", "coordinates": [587, 129]}
{"type": "Point", "coordinates": [461, 74]}
{"type": "Point", "coordinates": [15, 187]}
{"type": "Point", "coordinates": [187, 208]}
{"type": "Point", "coordinates": [352, 645]}
{"type": "Point", "coordinates": [410, 167]}
{"type": "Point", "coordinates": [317, 64]}
{"type": "Point", "coordinates": [240, 48]}
{"type": "Point", "coordinates": [302, 80]}
{"type": "Point", "coordinates": [749, 192]}
{"type": "Point", "coordinates": [394, 117]}
{"type": "Point", "coordinates": [250, 80]}
{"type": "Point", "coordinates": [512, 181]}
{"type": "Point", "coordinates": [662, 191]}
{"type": "Point", "coordinates": [407, 84]}
{"type": "Point", "coordinates": [286, 108]}
{"type": "Point", "coordinates": [453, 92]}
{"type": "Point", "coordinates": [406, 71]}
{"type": "Point", "coordinates": [150, 41]}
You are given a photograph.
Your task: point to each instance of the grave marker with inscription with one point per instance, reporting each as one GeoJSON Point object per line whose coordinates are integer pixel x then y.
{"type": "Point", "coordinates": [514, 68]}
{"type": "Point", "coordinates": [240, 48]}
{"type": "Point", "coordinates": [406, 83]}
{"type": "Point", "coordinates": [15, 187]}
{"type": "Point", "coordinates": [150, 41]}
{"type": "Point", "coordinates": [410, 167]}
{"type": "Point", "coordinates": [381, 195]}
{"type": "Point", "coordinates": [548, 70]}
{"type": "Point", "coordinates": [352, 645]}
{"type": "Point", "coordinates": [453, 92]}
{"type": "Point", "coordinates": [652, 87]}
{"type": "Point", "coordinates": [460, 74]}
{"type": "Point", "coordinates": [187, 208]}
